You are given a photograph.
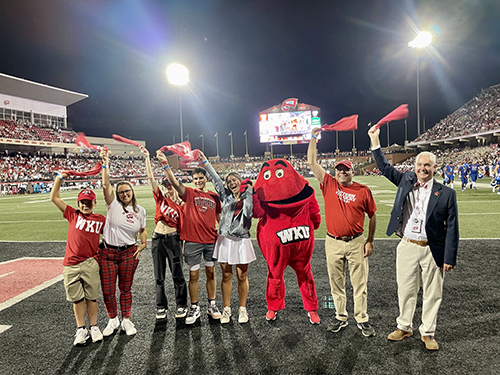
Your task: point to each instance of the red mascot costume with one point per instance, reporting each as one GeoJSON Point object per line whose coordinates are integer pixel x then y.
{"type": "Point", "coordinates": [288, 214]}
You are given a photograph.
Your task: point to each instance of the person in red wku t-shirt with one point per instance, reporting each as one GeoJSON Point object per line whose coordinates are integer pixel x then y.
{"type": "Point", "coordinates": [202, 209]}
{"type": "Point", "coordinates": [81, 270]}
{"type": "Point", "coordinates": [346, 203]}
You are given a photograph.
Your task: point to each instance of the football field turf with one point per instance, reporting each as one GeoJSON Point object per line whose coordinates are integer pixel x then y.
{"type": "Point", "coordinates": [35, 218]}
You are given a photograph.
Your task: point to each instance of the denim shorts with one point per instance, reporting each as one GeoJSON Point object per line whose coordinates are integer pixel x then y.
{"type": "Point", "coordinates": [193, 252]}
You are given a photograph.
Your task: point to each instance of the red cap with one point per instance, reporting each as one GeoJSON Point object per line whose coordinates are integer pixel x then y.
{"type": "Point", "coordinates": [347, 163]}
{"type": "Point", "coordinates": [86, 194]}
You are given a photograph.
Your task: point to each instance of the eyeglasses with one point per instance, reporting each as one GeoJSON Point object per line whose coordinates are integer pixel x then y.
{"type": "Point", "coordinates": [124, 192]}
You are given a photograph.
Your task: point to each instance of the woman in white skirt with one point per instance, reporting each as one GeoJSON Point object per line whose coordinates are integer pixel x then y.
{"type": "Point", "coordinates": [233, 246]}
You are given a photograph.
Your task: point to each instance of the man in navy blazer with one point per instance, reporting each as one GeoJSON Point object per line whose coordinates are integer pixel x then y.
{"type": "Point", "coordinates": [425, 216]}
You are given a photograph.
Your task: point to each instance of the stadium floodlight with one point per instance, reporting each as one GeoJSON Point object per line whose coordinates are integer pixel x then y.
{"type": "Point", "coordinates": [423, 39]}
{"type": "Point", "coordinates": [178, 75]}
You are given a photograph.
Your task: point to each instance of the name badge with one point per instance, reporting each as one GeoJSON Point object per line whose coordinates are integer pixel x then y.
{"type": "Point", "coordinates": [416, 226]}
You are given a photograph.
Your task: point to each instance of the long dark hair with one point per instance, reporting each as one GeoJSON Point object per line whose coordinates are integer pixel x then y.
{"type": "Point", "coordinates": [134, 200]}
{"type": "Point", "coordinates": [235, 174]}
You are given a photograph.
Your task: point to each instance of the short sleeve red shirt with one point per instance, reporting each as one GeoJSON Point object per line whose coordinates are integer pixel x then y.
{"type": "Point", "coordinates": [83, 235]}
{"type": "Point", "coordinates": [345, 207]}
{"type": "Point", "coordinates": [167, 210]}
{"type": "Point", "coordinates": [200, 216]}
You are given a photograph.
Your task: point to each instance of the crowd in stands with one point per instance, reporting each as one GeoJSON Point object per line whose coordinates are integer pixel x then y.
{"type": "Point", "coordinates": [479, 115]}
{"type": "Point", "coordinates": [24, 167]}
{"type": "Point", "coordinates": [27, 131]}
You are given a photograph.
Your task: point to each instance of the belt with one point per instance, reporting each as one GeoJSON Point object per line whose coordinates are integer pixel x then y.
{"type": "Point", "coordinates": [345, 238]}
{"type": "Point", "coordinates": [418, 242]}
{"type": "Point", "coordinates": [161, 235]}
{"type": "Point", "coordinates": [119, 248]}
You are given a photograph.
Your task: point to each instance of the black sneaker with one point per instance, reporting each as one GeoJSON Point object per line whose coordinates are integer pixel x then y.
{"type": "Point", "coordinates": [366, 329]}
{"type": "Point", "coordinates": [337, 325]}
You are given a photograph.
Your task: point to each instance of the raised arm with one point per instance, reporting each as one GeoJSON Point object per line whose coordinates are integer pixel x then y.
{"type": "Point", "coordinates": [312, 153]}
{"type": "Point", "coordinates": [247, 197]}
{"type": "Point", "coordinates": [55, 195]}
{"type": "Point", "coordinates": [214, 177]}
{"type": "Point", "coordinates": [391, 173]}
{"type": "Point", "coordinates": [178, 186]}
{"type": "Point", "coordinates": [149, 170]}
{"type": "Point", "coordinates": [106, 185]}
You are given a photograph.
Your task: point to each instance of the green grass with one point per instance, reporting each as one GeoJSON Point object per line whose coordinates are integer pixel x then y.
{"type": "Point", "coordinates": [35, 218]}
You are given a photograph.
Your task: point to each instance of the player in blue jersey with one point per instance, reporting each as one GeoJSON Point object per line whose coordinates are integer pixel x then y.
{"type": "Point", "coordinates": [495, 183]}
{"type": "Point", "coordinates": [449, 173]}
{"type": "Point", "coordinates": [474, 170]}
{"type": "Point", "coordinates": [463, 172]}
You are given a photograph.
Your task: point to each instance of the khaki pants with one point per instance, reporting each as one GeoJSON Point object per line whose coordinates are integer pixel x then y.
{"type": "Point", "coordinates": [337, 254]}
{"type": "Point", "coordinates": [415, 261]}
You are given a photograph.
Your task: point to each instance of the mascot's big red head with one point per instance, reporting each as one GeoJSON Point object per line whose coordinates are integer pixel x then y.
{"type": "Point", "coordinates": [279, 183]}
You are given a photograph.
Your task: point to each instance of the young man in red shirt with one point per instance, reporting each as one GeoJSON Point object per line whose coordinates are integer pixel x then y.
{"type": "Point", "coordinates": [81, 270]}
{"type": "Point", "coordinates": [346, 203]}
{"type": "Point", "coordinates": [201, 212]}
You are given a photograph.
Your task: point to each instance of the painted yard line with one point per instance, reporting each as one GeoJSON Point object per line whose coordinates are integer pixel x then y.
{"type": "Point", "coordinates": [30, 292]}
{"type": "Point", "coordinates": [17, 259]}
{"type": "Point", "coordinates": [32, 221]}
{"type": "Point", "coordinates": [4, 328]}
{"type": "Point", "coordinates": [6, 274]}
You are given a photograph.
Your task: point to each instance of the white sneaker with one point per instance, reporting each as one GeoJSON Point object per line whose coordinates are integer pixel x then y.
{"type": "Point", "coordinates": [81, 336]}
{"type": "Point", "coordinates": [128, 327]}
{"type": "Point", "coordinates": [242, 315]}
{"type": "Point", "coordinates": [112, 325]}
{"type": "Point", "coordinates": [95, 333]}
{"type": "Point", "coordinates": [213, 310]}
{"type": "Point", "coordinates": [193, 314]}
{"type": "Point", "coordinates": [226, 315]}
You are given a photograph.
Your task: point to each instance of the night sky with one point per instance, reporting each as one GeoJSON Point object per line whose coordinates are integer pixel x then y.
{"type": "Point", "coordinates": [346, 57]}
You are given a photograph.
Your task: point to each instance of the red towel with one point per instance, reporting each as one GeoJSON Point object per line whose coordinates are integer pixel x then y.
{"type": "Point", "coordinates": [347, 123]}
{"type": "Point", "coordinates": [92, 172]}
{"type": "Point", "coordinates": [182, 150]}
{"type": "Point", "coordinates": [82, 141]}
{"type": "Point", "coordinates": [118, 138]}
{"type": "Point", "coordinates": [398, 114]}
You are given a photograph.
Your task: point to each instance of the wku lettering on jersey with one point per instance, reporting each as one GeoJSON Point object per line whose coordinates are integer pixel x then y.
{"type": "Point", "coordinates": [295, 234]}
{"type": "Point", "coordinates": [88, 225]}
{"type": "Point", "coordinates": [346, 197]}
{"type": "Point", "coordinates": [169, 211]}
{"type": "Point", "coordinates": [204, 203]}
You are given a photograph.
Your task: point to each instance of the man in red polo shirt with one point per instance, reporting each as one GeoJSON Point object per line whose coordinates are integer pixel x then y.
{"type": "Point", "coordinates": [346, 203]}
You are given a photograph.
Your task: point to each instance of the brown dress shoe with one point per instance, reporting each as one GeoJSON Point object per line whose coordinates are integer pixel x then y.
{"type": "Point", "coordinates": [399, 335]}
{"type": "Point", "coordinates": [430, 343]}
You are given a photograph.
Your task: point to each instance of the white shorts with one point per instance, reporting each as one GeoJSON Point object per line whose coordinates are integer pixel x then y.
{"type": "Point", "coordinates": [234, 250]}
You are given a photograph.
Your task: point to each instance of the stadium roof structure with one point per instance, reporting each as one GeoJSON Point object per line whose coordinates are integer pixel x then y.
{"type": "Point", "coordinates": [36, 91]}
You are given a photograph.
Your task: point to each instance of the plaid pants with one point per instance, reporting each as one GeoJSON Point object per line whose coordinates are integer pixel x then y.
{"type": "Point", "coordinates": [114, 263]}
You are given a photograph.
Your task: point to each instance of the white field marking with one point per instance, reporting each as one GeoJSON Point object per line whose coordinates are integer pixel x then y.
{"type": "Point", "coordinates": [48, 200]}
{"type": "Point", "coordinates": [4, 328]}
{"type": "Point", "coordinates": [7, 274]}
{"type": "Point", "coordinates": [31, 221]}
{"type": "Point", "coordinates": [18, 259]}
{"type": "Point", "coordinates": [374, 192]}
{"type": "Point", "coordinates": [30, 292]}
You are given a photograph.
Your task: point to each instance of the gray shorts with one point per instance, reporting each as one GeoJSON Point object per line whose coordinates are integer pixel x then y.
{"type": "Point", "coordinates": [193, 252]}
